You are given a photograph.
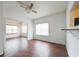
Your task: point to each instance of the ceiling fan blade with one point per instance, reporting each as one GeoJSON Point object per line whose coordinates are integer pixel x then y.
{"type": "Point", "coordinates": [23, 7]}
{"type": "Point", "coordinates": [34, 11]}
{"type": "Point", "coordinates": [23, 4]}
{"type": "Point", "coordinates": [31, 6]}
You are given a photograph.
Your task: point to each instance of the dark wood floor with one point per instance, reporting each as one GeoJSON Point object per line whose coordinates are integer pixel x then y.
{"type": "Point", "coordinates": [21, 47]}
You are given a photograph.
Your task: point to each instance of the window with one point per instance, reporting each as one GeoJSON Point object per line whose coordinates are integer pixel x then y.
{"type": "Point", "coordinates": [14, 29]}
{"type": "Point", "coordinates": [11, 29]}
{"type": "Point", "coordinates": [24, 28]}
{"type": "Point", "coordinates": [42, 29]}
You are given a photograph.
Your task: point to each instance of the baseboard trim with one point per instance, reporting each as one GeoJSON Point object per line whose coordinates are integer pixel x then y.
{"type": "Point", "coordinates": [49, 42]}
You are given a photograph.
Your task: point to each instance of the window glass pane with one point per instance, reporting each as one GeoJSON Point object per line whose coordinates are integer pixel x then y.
{"type": "Point", "coordinates": [24, 29]}
{"type": "Point", "coordinates": [8, 29]}
{"type": "Point", "coordinates": [42, 29]}
{"type": "Point", "coordinates": [14, 29]}
{"type": "Point", "coordinates": [11, 29]}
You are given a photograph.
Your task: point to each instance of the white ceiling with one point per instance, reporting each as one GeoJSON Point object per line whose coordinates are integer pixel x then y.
{"type": "Point", "coordinates": [43, 8]}
{"type": "Point", "coordinates": [47, 8]}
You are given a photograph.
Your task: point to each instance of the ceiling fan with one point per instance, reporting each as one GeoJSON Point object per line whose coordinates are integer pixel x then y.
{"type": "Point", "coordinates": [27, 7]}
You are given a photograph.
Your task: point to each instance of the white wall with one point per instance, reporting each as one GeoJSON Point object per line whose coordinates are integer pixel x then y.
{"type": "Point", "coordinates": [12, 10]}
{"type": "Point", "coordinates": [2, 30]}
{"type": "Point", "coordinates": [56, 23]}
{"type": "Point", "coordinates": [72, 41]}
